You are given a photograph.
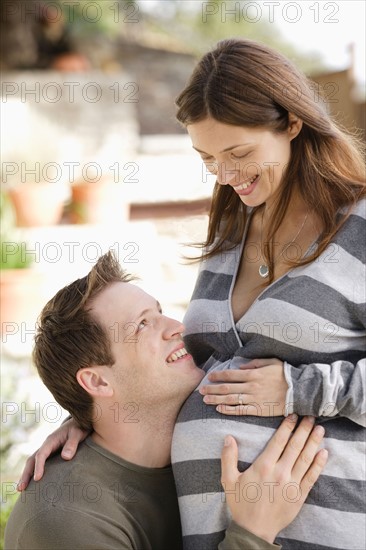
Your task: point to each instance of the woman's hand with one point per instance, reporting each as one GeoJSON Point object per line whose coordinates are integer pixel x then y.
{"type": "Point", "coordinates": [68, 436]}
{"type": "Point", "coordinates": [270, 493]}
{"type": "Point", "coordinates": [258, 388]}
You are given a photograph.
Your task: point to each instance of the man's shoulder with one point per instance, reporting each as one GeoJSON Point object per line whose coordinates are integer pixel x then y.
{"type": "Point", "coordinates": [70, 494]}
{"type": "Point", "coordinates": [119, 501]}
{"type": "Point", "coordinates": [60, 473]}
{"type": "Point", "coordinates": [61, 528]}
{"type": "Point", "coordinates": [77, 485]}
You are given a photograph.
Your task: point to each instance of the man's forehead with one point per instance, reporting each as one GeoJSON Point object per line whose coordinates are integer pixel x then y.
{"type": "Point", "coordinates": [122, 299]}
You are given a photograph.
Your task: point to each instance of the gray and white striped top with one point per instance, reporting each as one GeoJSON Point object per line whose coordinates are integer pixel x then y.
{"type": "Point", "coordinates": [314, 319]}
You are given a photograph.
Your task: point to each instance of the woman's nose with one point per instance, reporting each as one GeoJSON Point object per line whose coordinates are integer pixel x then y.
{"type": "Point", "coordinates": [228, 174]}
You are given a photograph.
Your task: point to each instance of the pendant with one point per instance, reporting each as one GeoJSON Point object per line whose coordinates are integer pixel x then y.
{"type": "Point", "coordinates": [263, 271]}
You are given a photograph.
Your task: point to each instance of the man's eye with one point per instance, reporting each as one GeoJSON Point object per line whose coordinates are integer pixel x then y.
{"type": "Point", "coordinates": [141, 324]}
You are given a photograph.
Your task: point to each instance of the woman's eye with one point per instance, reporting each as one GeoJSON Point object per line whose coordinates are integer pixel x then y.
{"type": "Point", "coordinates": [238, 156]}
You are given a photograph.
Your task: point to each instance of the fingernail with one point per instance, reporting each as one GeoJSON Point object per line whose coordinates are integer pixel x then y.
{"type": "Point", "coordinates": [19, 484]}
{"type": "Point", "coordinates": [324, 453]}
{"type": "Point", "coordinates": [227, 441]}
{"type": "Point", "coordinates": [66, 453]}
{"type": "Point", "coordinates": [319, 430]}
{"type": "Point", "coordinates": [292, 417]}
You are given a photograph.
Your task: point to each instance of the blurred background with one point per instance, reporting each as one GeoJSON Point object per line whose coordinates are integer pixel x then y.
{"type": "Point", "coordinates": [92, 158]}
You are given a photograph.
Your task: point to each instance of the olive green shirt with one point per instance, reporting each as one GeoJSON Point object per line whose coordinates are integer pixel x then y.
{"type": "Point", "coordinates": [98, 501]}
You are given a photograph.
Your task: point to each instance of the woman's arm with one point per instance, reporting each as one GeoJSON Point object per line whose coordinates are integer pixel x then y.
{"type": "Point", "coordinates": [331, 390]}
{"type": "Point", "coordinates": [68, 436]}
{"type": "Point", "coordinates": [258, 388]}
{"type": "Point", "coordinates": [269, 387]}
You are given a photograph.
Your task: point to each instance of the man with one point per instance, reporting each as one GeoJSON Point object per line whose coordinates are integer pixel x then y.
{"type": "Point", "coordinates": [119, 366]}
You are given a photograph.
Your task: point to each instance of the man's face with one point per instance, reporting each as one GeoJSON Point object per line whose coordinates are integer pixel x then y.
{"type": "Point", "coordinates": [151, 364]}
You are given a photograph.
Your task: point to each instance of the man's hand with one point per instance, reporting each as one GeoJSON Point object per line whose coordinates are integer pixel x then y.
{"type": "Point", "coordinates": [68, 436]}
{"type": "Point", "coordinates": [258, 388]}
{"type": "Point", "coordinates": [270, 493]}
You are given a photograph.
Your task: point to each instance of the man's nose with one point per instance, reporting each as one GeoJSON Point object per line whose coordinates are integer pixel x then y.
{"type": "Point", "coordinates": [172, 327]}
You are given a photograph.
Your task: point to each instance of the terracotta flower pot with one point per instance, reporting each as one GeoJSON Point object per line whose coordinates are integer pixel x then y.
{"type": "Point", "coordinates": [37, 204]}
{"type": "Point", "coordinates": [20, 297]}
{"type": "Point", "coordinates": [98, 203]}
{"type": "Point", "coordinates": [71, 62]}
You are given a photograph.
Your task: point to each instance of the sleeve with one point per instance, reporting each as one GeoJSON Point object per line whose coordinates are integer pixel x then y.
{"type": "Point", "coordinates": [238, 538]}
{"type": "Point", "coordinates": [71, 529]}
{"type": "Point", "coordinates": [331, 390]}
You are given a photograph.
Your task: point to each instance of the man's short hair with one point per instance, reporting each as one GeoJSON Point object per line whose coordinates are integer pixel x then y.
{"type": "Point", "coordinates": [69, 337]}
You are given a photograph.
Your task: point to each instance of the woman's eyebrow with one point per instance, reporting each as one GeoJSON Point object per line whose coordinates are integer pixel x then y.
{"type": "Point", "coordinates": [224, 150]}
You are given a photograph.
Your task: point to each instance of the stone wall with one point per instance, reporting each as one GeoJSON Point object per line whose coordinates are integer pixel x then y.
{"type": "Point", "coordinates": [344, 102]}
{"type": "Point", "coordinates": [88, 119]}
{"type": "Point", "coordinates": [160, 76]}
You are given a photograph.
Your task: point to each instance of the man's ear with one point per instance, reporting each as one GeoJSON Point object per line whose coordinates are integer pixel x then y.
{"type": "Point", "coordinates": [94, 381]}
{"type": "Point", "coordinates": [294, 126]}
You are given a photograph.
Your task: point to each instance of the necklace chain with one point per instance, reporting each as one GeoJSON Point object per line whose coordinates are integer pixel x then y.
{"type": "Point", "coordinates": [263, 268]}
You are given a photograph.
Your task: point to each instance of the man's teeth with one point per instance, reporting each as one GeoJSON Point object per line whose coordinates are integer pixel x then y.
{"type": "Point", "coordinates": [177, 355]}
{"type": "Point", "coordinates": [246, 184]}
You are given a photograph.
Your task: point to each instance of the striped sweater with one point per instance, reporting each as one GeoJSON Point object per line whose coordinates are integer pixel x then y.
{"type": "Point", "coordinates": [313, 319]}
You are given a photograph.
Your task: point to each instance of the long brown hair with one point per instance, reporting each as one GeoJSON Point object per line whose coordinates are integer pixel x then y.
{"type": "Point", "coordinates": [244, 83]}
{"type": "Point", "coordinates": [69, 338]}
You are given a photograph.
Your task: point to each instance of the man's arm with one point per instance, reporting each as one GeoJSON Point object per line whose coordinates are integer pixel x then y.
{"type": "Point", "coordinates": [238, 538]}
{"type": "Point", "coordinates": [283, 476]}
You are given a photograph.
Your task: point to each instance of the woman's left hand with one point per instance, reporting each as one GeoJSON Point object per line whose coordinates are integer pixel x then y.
{"type": "Point", "coordinates": [258, 388]}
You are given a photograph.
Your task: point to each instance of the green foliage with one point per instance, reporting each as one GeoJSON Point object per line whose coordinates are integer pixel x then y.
{"type": "Point", "coordinates": [85, 18]}
{"type": "Point", "coordinates": [15, 429]}
{"type": "Point", "coordinates": [217, 25]}
{"type": "Point", "coordinates": [16, 426]}
{"type": "Point", "coordinates": [6, 508]}
{"type": "Point", "coordinates": [197, 27]}
{"type": "Point", "coordinates": [190, 26]}
{"type": "Point", "coordinates": [13, 253]}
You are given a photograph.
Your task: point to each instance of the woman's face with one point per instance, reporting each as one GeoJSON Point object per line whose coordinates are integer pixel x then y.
{"type": "Point", "coordinates": [250, 160]}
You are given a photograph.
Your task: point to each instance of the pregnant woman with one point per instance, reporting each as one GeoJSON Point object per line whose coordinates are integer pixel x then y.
{"type": "Point", "coordinates": [277, 317]}
{"type": "Point", "coordinates": [281, 285]}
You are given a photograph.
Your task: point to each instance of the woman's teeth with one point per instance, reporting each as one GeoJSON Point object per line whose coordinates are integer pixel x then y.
{"type": "Point", "coordinates": [177, 355]}
{"type": "Point", "coordinates": [246, 184]}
